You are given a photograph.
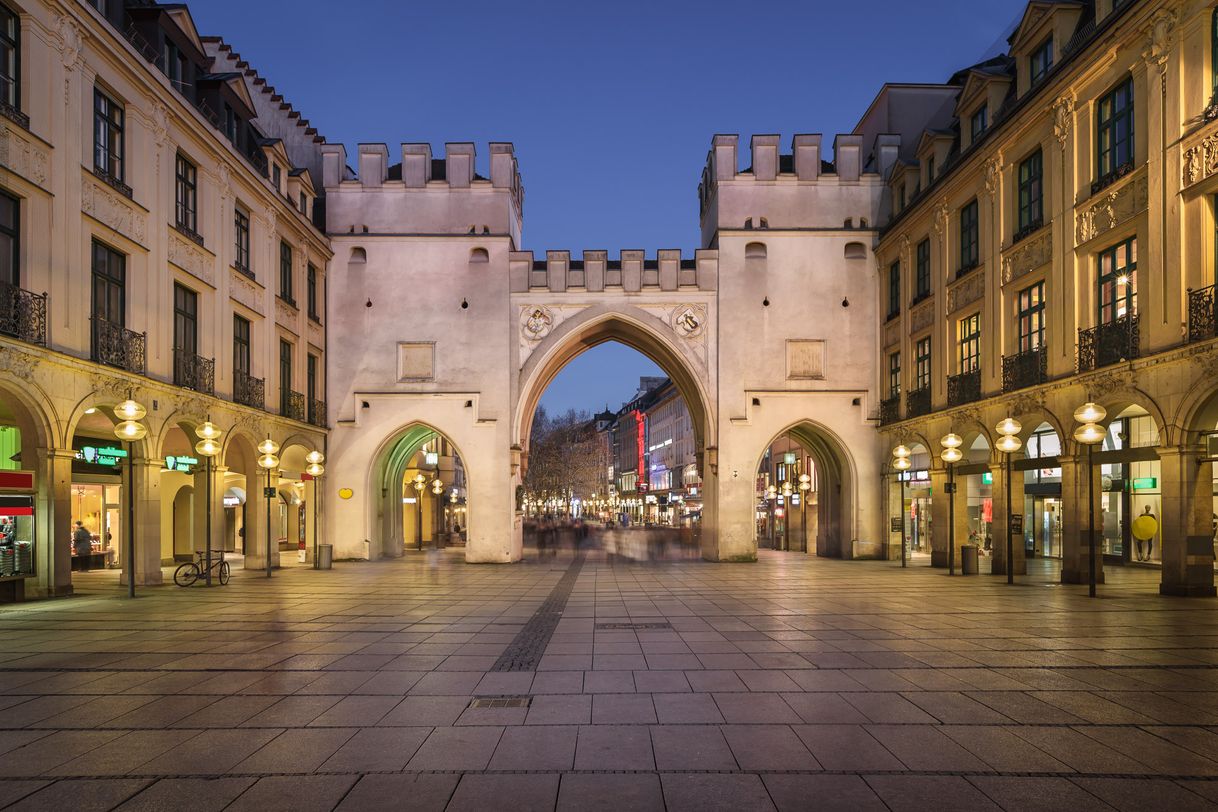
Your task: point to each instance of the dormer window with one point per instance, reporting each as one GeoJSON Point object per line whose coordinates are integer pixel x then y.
{"type": "Point", "coordinates": [230, 124]}
{"type": "Point", "coordinates": [174, 64]}
{"type": "Point", "coordinates": [979, 121]}
{"type": "Point", "coordinates": [1041, 61]}
{"type": "Point", "coordinates": [930, 170]}
{"type": "Point", "coordinates": [901, 198]}
{"type": "Point", "coordinates": [276, 177]}
{"type": "Point", "coordinates": [304, 204]}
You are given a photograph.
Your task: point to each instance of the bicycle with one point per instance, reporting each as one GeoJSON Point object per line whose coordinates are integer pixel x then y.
{"type": "Point", "coordinates": [186, 574]}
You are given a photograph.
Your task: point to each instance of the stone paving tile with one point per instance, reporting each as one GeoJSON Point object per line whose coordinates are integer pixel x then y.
{"type": "Point", "coordinates": [768, 747]}
{"type": "Point", "coordinates": [921, 792]}
{"type": "Point", "coordinates": [849, 748]}
{"type": "Point", "coordinates": [1139, 796]}
{"type": "Point", "coordinates": [1037, 794]}
{"type": "Point", "coordinates": [300, 793]}
{"type": "Point", "coordinates": [691, 747]}
{"type": "Point", "coordinates": [536, 748]}
{"type": "Point", "coordinates": [400, 793]}
{"type": "Point", "coordinates": [608, 792]}
{"type": "Point", "coordinates": [528, 793]}
{"type": "Point", "coordinates": [188, 794]}
{"type": "Point", "coordinates": [694, 792]}
{"type": "Point", "coordinates": [831, 793]}
{"type": "Point", "coordinates": [80, 796]}
{"type": "Point", "coordinates": [614, 747]}
{"type": "Point", "coordinates": [377, 749]}
{"type": "Point", "coordinates": [457, 748]}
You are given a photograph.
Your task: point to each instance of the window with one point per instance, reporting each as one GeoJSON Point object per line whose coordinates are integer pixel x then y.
{"type": "Point", "coordinates": [285, 375]}
{"type": "Point", "coordinates": [187, 192]}
{"type": "Point", "coordinates": [311, 378]}
{"type": "Point", "coordinates": [241, 227]}
{"type": "Point", "coordinates": [968, 340]}
{"type": "Point", "coordinates": [922, 364]}
{"type": "Point", "coordinates": [107, 136]}
{"type": "Point", "coordinates": [285, 272]}
{"type": "Point", "coordinates": [894, 289]}
{"type": "Point", "coordinates": [185, 319]}
{"type": "Point", "coordinates": [1118, 281]}
{"type": "Point", "coordinates": [10, 58]}
{"type": "Point", "coordinates": [230, 124]}
{"type": "Point", "coordinates": [894, 374]}
{"type": "Point", "coordinates": [241, 345]}
{"type": "Point", "coordinates": [930, 170]}
{"type": "Point", "coordinates": [311, 292]}
{"type": "Point", "coordinates": [1041, 61]}
{"type": "Point", "coordinates": [276, 176]}
{"type": "Point", "coordinates": [979, 122]}
{"type": "Point", "coordinates": [1031, 194]}
{"type": "Point", "coordinates": [922, 283]}
{"type": "Point", "coordinates": [970, 237]}
{"type": "Point", "coordinates": [10, 241]}
{"type": "Point", "coordinates": [304, 205]}
{"type": "Point", "coordinates": [901, 198]}
{"type": "Point", "coordinates": [1031, 317]}
{"type": "Point", "coordinates": [1114, 131]}
{"type": "Point", "coordinates": [109, 286]}
{"type": "Point", "coordinates": [174, 64]}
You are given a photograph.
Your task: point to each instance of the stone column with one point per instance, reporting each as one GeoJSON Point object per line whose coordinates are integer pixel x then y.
{"type": "Point", "coordinates": [938, 517]}
{"type": "Point", "coordinates": [256, 529]}
{"type": "Point", "coordinates": [1074, 521]}
{"type": "Point", "coordinates": [960, 506]}
{"type": "Point", "coordinates": [147, 493]}
{"type": "Point", "coordinates": [311, 493]}
{"type": "Point", "coordinates": [53, 545]}
{"type": "Point", "coordinates": [1002, 520]}
{"type": "Point", "coordinates": [216, 507]}
{"type": "Point", "coordinates": [1186, 516]}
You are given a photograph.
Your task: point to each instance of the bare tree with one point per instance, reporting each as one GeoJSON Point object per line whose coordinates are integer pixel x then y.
{"type": "Point", "coordinates": [566, 458]}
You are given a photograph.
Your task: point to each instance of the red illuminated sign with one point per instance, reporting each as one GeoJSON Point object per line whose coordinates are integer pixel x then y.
{"type": "Point", "coordinates": [17, 479]}
{"type": "Point", "coordinates": [640, 421]}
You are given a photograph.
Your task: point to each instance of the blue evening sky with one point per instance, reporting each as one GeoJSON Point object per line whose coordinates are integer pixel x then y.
{"type": "Point", "coordinates": [611, 106]}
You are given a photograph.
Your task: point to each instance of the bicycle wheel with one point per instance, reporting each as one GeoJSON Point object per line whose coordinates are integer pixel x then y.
{"type": "Point", "coordinates": [186, 574]}
{"type": "Point", "coordinates": [224, 573]}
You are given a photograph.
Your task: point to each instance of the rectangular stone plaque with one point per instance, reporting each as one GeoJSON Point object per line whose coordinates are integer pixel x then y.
{"type": "Point", "coordinates": [416, 360]}
{"type": "Point", "coordinates": [805, 359]}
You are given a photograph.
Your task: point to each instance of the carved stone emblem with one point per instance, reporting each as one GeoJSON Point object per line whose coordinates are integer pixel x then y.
{"type": "Point", "coordinates": [1113, 208]}
{"type": "Point", "coordinates": [1027, 256]}
{"type": "Point", "coordinates": [922, 315]}
{"type": "Point", "coordinates": [538, 322]}
{"type": "Point", "coordinates": [969, 290]}
{"type": "Point", "coordinates": [19, 364]}
{"type": "Point", "coordinates": [993, 174]}
{"type": "Point", "coordinates": [1158, 39]}
{"type": "Point", "coordinates": [688, 320]}
{"type": "Point", "coordinates": [1200, 160]}
{"type": "Point", "coordinates": [114, 210]}
{"type": "Point", "coordinates": [1063, 117]}
{"type": "Point", "coordinates": [190, 258]}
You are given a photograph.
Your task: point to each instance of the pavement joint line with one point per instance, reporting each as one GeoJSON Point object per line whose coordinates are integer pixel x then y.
{"type": "Point", "coordinates": [525, 652]}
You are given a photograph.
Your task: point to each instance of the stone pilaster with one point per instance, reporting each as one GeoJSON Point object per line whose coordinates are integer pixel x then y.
{"type": "Point", "coordinates": [1002, 524]}
{"type": "Point", "coordinates": [1188, 540]}
{"type": "Point", "coordinates": [938, 517]}
{"type": "Point", "coordinates": [1074, 521]}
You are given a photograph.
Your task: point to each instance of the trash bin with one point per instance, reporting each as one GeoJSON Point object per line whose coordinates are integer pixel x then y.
{"type": "Point", "coordinates": [968, 559]}
{"type": "Point", "coordinates": [325, 556]}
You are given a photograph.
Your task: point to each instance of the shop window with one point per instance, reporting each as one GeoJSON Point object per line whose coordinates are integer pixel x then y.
{"type": "Point", "coordinates": [17, 529]}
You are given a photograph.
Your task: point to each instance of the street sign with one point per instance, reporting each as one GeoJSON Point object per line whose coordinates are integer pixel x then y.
{"type": "Point", "coordinates": [1017, 524]}
{"type": "Point", "coordinates": [896, 524]}
{"type": "Point", "coordinates": [269, 493]}
{"type": "Point", "coordinates": [949, 487]}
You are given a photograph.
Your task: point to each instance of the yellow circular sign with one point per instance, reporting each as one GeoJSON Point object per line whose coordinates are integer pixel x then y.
{"type": "Point", "coordinates": [1145, 527]}
{"type": "Point", "coordinates": [345, 493]}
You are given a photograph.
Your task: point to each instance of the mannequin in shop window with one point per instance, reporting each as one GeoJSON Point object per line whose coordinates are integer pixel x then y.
{"type": "Point", "coordinates": [1144, 529]}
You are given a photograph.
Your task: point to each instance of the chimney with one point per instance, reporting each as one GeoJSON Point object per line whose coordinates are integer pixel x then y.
{"type": "Point", "coordinates": [503, 165]}
{"type": "Point", "coordinates": [887, 147]}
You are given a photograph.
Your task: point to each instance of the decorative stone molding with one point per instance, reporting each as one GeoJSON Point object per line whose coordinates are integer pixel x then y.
{"type": "Point", "coordinates": [70, 42]}
{"type": "Point", "coordinates": [1115, 207]}
{"type": "Point", "coordinates": [196, 261]}
{"type": "Point", "coordinates": [966, 291]}
{"type": "Point", "coordinates": [114, 210]}
{"type": "Point", "coordinates": [244, 290]}
{"type": "Point", "coordinates": [1105, 383]}
{"type": "Point", "coordinates": [993, 174]}
{"type": "Point", "coordinates": [939, 224]}
{"type": "Point", "coordinates": [18, 364]}
{"type": "Point", "coordinates": [316, 335]}
{"type": "Point", "coordinates": [286, 316]}
{"type": "Point", "coordinates": [1200, 160]}
{"type": "Point", "coordinates": [416, 361]}
{"type": "Point", "coordinates": [905, 251]}
{"type": "Point", "coordinates": [1063, 118]}
{"type": "Point", "coordinates": [224, 181]}
{"type": "Point", "coordinates": [23, 156]}
{"type": "Point", "coordinates": [922, 315]}
{"type": "Point", "coordinates": [1027, 256]}
{"type": "Point", "coordinates": [1158, 41]}
{"type": "Point", "coordinates": [536, 322]}
{"type": "Point", "coordinates": [892, 333]}
{"type": "Point", "coordinates": [1028, 402]}
{"type": "Point", "coordinates": [689, 320]}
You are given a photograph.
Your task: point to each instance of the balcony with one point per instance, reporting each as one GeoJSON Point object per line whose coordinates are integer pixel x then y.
{"type": "Point", "coordinates": [964, 388]}
{"type": "Point", "coordinates": [317, 412]}
{"type": "Point", "coordinates": [890, 410]}
{"type": "Point", "coordinates": [1112, 177]}
{"type": "Point", "coordinates": [917, 402]}
{"type": "Point", "coordinates": [1202, 314]}
{"type": "Point", "coordinates": [23, 315]}
{"type": "Point", "coordinates": [1028, 230]}
{"type": "Point", "coordinates": [249, 391]}
{"type": "Point", "coordinates": [192, 372]}
{"type": "Point", "coordinates": [1024, 369]}
{"type": "Point", "coordinates": [1107, 344]}
{"type": "Point", "coordinates": [189, 233]}
{"type": "Point", "coordinates": [113, 182]}
{"type": "Point", "coordinates": [14, 115]}
{"type": "Point", "coordinates": [292, 404]}
{"type": "Point", "coordinates": [116, 346]}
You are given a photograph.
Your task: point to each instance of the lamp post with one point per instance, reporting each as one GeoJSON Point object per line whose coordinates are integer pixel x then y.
{"type": "Point", "coordinates": [805, 486]}
{"type": "Point", "coordinates": [130, 429]}
{"type": "Point", "coordinates": [1008, 443]}
{"type": "Point", "coordinates": [268, 462]}
{"type": "Point", "coordinates": [208, 446]}
{"type": "Point", "coordinates": [437, 488]}
{"type": "Point", "coordinates": [315, 469]}
{"type": "Point", "coordinates": [420, 483]}
{"type": "Point", "coordinates": [900, 461]}
{"type": "Point", "coordinates": [771, 496]}
{"type": "Point", "coordinates": [787, 490]}
{"type": "Point", "coordinates": [951, 455]}
{"type": "Point", "coordinates": [1090, 434]}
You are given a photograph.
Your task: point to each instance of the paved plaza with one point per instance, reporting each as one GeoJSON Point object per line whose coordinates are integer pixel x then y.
{"type": "Point", "coordinates": [794, 683]}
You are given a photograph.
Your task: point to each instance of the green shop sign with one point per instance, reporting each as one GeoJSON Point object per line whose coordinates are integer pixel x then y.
{"type": "Point", "coordinates": [106, 455]}
{"type": "Point", "coordinates": [180, 464]}
{"type": "Point", "coordinates": [1145, 483]}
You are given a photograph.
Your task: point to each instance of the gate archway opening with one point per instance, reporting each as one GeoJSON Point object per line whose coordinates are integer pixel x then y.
{"type": "Point", "coordinates": [424, 492]}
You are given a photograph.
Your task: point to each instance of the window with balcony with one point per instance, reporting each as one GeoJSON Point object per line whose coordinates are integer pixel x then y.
{"type": "Point", "coordinates": [112, 343]}
{"type": "Point", "coordinates": [1030, 317]}
{"type": "Point", "coordinates": [10, 66]}
{"type": "Point", "coordinates": [970, 237]}
{"type": "Point", "coordinates": [185, 319]}
{"type": "Point", "coordinates": [285, 272]}
{"type": "Point", "coordinates": [894, 374]}
{"type": "Point", "coordinates": [1114, 134]}
{"type": "Point", "coordinates": [922, 271]}
{"type": "Point", "coordinates": [312, 291]}
{"type": "Point", "coordinates": [1031, 194]}
{"type": "Point", "coordinates": [968, 342]}
{"type": "Point", "coordinates": [108, 138]}
{"type": "Point", "coordinates": [979, 121]}
{"type": "Point", "coordinates": [894, 290]}
{"type": "Point", "coordinates": [1041, 61]}
{"type": "Point", "coordinates": [285, 376]}
{"type": "Point", "coordinates": [922, 363]}
{"type": "Point", "coordinates": [1118, 281]}
{"type": "Point", "coordinates": [10, 240]}
{"type": "Point", "coordinates": [186, 194]}
{"type": "Point", "coordinates": [241, 234]}
{"type": "Point", "coordinates": [241, 345]}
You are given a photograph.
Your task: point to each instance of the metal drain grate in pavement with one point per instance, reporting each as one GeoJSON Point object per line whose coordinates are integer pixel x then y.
{"type": "Point", "coordinates": [633, 626]}
{"type": "Point", "coordinates": [501, 702]}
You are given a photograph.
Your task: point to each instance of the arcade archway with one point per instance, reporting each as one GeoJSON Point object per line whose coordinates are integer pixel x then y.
{"type": "Point", "coordinates": [423, 490]}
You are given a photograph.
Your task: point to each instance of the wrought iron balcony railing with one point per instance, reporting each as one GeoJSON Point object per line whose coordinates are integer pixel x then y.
{"type": "Point", "coordinates": [1024, 369]}
{"type": "Point", "coordinates": [192, 372]}
{"type": "Point", "coordinates": [23, 315]}
{"type": "Point", "coordinates": [14, 115]}
{"type": "Point", "coordinates": [917, 402]}
{"type": "Point", "coordinates": [890, 410]}
{"type": "Point", "coordinates": [249, 391]}
{"type": "Point", "coordinates": [317, 412]}
{"type": "Point", "coordinates": [1107, 344]}
{"type": "Point", "coordinates": [964, 388]}
{"type": "Point", "coordinates": [1202, 314]}
{"type": "Point", "coordinates": [116, 346]}
{"type": "Point", "coordinates": [292, 404]}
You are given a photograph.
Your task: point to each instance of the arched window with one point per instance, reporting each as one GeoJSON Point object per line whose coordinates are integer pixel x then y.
{"type": "Point", "coordinates": [358, 255]}
{"type": "Point", "coordinates": [479, 255]}
{"type": "Point", "coordinates": [856, 250]}
{"type": "Point", "coordinates": [754, 250]}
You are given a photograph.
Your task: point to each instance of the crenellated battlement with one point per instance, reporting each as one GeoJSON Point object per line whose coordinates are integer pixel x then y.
{"type": "Point", "coordinates": [793, 190]}
{"type": "Point", "coordinates": [631, 272]}
{"type": "Point", "coordinates": [422, 193]}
